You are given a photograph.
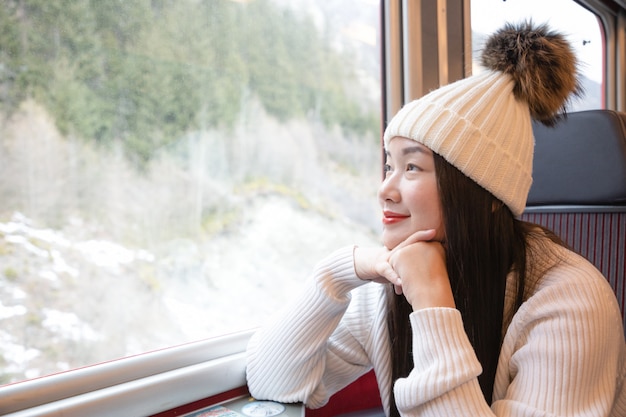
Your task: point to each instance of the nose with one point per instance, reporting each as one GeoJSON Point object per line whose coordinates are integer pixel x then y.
{"type": "Point", "coordinates": [388, 191]}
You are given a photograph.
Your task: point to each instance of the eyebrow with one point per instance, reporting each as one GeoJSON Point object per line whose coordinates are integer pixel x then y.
{"type": "Point", "coordinates": [413, 149]}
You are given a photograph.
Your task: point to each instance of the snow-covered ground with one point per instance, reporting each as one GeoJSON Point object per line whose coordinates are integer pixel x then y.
{"type": "Point", "coordinates": [67, 299]}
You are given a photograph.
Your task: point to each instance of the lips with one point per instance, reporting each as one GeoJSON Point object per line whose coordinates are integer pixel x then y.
{"type": "Point", "coordinates": [389, 217]}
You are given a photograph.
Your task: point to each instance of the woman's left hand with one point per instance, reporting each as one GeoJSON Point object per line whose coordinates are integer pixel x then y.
{"type": "Point", "coordinates": [424, 280]}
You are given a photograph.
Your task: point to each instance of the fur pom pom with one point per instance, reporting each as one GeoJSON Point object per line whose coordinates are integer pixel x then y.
{"type": "Point", "coordinates": [542, 64]}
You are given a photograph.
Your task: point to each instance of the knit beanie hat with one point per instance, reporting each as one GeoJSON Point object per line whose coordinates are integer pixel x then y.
{"type": "Point", "coordinates": [482, 124]}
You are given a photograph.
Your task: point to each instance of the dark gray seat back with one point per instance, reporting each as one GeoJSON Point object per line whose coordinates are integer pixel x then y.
{"type": "Point", "coordinates": [579, 189]}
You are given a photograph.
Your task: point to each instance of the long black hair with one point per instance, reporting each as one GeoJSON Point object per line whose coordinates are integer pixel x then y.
{"type": "Point", "coordinates": [483, 243]}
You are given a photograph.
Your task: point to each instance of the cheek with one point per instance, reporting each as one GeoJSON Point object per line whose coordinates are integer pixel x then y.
{"type": "Point", "coordinates": [426, 210]}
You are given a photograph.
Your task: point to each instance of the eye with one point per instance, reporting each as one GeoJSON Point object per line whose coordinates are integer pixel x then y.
{"type": "Point", "coordinates": [386, 168]}
{"type": "Point", "coordinates": [412, 167]}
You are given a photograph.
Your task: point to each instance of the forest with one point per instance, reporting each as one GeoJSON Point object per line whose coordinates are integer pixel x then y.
{"type": "Point", "coordinates": [142, 73]}
{"type": "Point", "coordinates": [147, 78]}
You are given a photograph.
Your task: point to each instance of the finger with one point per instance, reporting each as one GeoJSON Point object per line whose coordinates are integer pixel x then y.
{"type": "Point", "coordinates": [419, 236]}
{"type": "Point", "coordinates": [385, 270]}
{"type": "Point", "coordinates": [398, 288]}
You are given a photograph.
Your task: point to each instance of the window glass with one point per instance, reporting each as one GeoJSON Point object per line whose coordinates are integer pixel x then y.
{"type": "Point", "coordinates": [172, 170]}
{"type": "Point", "coordinates": [581, 27]}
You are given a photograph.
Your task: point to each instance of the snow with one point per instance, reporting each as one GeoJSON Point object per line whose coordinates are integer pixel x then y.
{"type": "Point", "coordinates": [67, 301]}
{"type": "Point", "coordinates": [68, 325]}
{"type": "Point", "coordinates": [10, 311]}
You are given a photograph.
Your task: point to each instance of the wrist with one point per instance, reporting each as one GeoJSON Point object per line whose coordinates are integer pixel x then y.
{"type": "Point", "coordinates": [363, 263]}
{"type": "Point", "coordinates": [437, 294]}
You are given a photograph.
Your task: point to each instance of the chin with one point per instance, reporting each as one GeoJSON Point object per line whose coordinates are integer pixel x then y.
{"type": "Point", "coordinates": [391, 242]}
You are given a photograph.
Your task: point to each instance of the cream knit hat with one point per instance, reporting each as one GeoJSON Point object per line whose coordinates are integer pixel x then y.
{"type": "Point", "coordinates": [482, 124]}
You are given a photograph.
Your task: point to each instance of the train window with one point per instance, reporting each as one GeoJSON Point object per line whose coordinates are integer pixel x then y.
{"type": "Point", "coordinates": [581, 26]}
{"type": "Point", "coordinates": [171, 170]}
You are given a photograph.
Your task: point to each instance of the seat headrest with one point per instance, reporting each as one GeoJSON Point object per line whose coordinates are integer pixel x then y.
{"type": "Point", "coordinates": [581, 160]}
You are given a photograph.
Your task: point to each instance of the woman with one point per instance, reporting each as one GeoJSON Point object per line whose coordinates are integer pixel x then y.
{"type": "Point", "coordinates": [472, 312]}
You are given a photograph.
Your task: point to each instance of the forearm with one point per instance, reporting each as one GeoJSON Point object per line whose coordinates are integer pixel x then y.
{"type": "Point", "coordinates": [287, 358]}
{"type": "Point", "coordinates": [445, 375]}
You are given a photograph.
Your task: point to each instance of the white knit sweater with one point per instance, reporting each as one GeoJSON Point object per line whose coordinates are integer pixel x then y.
{"type": "Point", "coordinates": [563, 352]}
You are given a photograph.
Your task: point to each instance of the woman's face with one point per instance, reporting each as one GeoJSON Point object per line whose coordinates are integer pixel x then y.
{"type": "Point", "coordinates": [408, 195]}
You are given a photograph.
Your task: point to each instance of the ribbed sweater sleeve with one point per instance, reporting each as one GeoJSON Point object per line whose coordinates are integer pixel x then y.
{"type": "Point", "coordinates": [292, 359]}
{"type": "Point", "coordinates": [444, 377]}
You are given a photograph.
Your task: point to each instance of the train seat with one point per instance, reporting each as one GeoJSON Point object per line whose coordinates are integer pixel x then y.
{"type": "Point", "coordinates": [361, 398]}
{"type": "Point", "coordinates": [579, 189]}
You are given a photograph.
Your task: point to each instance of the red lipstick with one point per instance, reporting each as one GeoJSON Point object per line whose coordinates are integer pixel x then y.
{"type": "Point", "coordinates": [389, 217]}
